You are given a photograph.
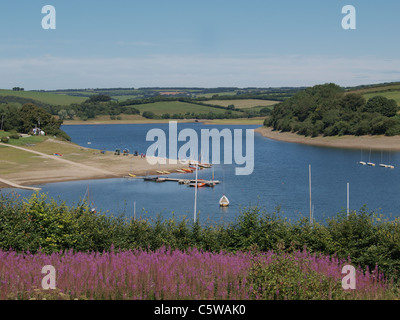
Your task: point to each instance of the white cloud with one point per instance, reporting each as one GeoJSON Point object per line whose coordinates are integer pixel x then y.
{"type": "Point", "coordinates": [50, 72]}
{"type": "Point", "coordinates": [136, 43]}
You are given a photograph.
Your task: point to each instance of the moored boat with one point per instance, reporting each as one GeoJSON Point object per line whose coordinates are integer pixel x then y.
{"type": "Point", "coordinates": [223, 202]}
{"type": "Point", "coordinates": [199, 184]}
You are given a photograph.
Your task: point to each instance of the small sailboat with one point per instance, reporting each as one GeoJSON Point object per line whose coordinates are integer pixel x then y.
{"type": "Point", "coordinates": [389, 165]}
{"type": "Point", "coordinates": [87, 197]}
{"type": "Point", "coordinates": [369, 161]}
{"type": "Point", "coordinates": [204, 165]}
{"type": "Point", "coordinates": [382, 165]}
{"type": "Point", "coordinates": [211, 183]}
{"type": "Point", "coordinates": [362, 162]}
{"type": "Point", "coordinates": [223, 202]}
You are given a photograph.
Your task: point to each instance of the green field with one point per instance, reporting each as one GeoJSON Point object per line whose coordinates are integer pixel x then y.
{"type": "Point", "coordinates": [23, 141]}
{"type": "Point", "coordinates": [126, 97]}
{"type": "Point", "coordinates": [172, 107]}
{"type": "Point", "coordinates": [395, 95]}
{"type": "Point", "coordinates": [243, 103]}
{"type": "Point", "coordinates": [390, 91]}
{"type": "Point", "coordinates": [222, 93]}
{"type": "Point", "coordinates": [45, 97]}
{"type": "Point", "coordinates": [378, 88]}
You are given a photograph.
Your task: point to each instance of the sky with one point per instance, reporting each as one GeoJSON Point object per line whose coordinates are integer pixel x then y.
{"type": "Point", "coordinates": [187, 43]}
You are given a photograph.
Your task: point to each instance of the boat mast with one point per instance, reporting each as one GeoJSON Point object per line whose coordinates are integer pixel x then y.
{"type": "Point", "coordinates": [309, 182]}
{"type": "Point", "coordinates": [195, 196]}
{"type": "Point", "coordinates": [348, 199]}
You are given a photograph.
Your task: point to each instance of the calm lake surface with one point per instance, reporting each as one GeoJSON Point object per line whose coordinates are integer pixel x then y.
{"type": "Point", "coordinates": [280, 178]}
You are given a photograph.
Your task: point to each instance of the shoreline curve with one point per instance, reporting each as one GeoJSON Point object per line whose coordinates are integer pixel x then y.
{"type": "Point", "coordinates": [380, 142]}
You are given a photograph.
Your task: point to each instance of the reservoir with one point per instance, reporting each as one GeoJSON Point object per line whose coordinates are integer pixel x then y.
{"type": "Point", "coordinates": [280, 179]}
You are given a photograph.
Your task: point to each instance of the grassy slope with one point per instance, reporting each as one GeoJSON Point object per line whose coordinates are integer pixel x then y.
{"type": "Point", "coordinates": [50, 98]}
{"type": "Point", "coordinates": [172, 107]}
{"type": "Point", "coordinates": [243, 104]}
{"type": "Point", "coordinates": [395, 95]}
{"type": "Point", "coordinates": [14, 160]}
{"type": "Point", "coordinates": [390, 91]}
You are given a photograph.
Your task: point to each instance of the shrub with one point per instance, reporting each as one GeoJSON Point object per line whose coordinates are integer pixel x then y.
{"type": "Point", "coordinates": [60, 134]}
{"type": "Point", "coordinates": [288, 278]}
{"type": "Point", "coordinates": [14, 136]}
{"type": "Point", "coordinates": [4, 139]}
{"type": "Point", "coordinates": [148, 114]}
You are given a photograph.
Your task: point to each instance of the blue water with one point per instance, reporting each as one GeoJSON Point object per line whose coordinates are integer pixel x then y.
{"type": "Point", "coordinates": [280, 178]}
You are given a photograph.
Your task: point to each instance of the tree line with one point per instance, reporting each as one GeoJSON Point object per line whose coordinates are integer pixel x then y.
{"type": "Point", "coordinates": [328, 110]}
{"type": "Point", "coordinates": [25, 118]}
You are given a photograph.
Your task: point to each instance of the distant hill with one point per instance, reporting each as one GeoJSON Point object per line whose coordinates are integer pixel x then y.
{"type": "Point", "coordinates": [43, 97]}
{"type": "Point", "coordinates": [121, 94]}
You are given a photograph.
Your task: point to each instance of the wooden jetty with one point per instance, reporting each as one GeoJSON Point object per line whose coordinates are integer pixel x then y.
{"type": "Point", "coordinates": [209, 183]}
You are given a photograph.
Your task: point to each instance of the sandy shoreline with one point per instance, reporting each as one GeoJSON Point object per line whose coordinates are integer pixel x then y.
{"type": "Point", "coordinates": [351, 142]}
{"type": "Point", "coordinates": [28, 166]}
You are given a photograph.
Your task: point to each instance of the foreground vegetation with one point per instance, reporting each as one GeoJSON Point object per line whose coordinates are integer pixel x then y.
{"type": "Point", "coordinates": [189, 274]}
{"type": "Point", "coordinates": [43, 224]}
